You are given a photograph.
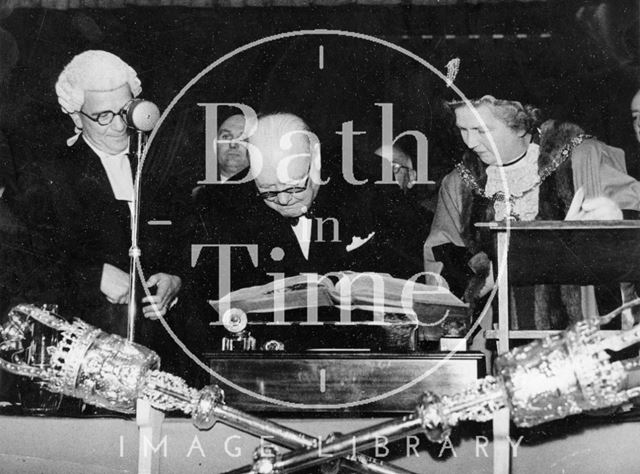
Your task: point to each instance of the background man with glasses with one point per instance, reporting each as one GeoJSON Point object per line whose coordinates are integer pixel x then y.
{"type": "Point", "coordinates": [85, 200]}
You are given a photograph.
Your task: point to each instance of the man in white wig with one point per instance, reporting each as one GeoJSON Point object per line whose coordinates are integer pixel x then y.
{"type": "Point", "coordinates": [89, 189]}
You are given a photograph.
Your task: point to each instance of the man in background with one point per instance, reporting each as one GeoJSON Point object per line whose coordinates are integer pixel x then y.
{"type": "Point", "coordinates": [633, 161]}
{"type": "Point", "coordinates": [232, 156]}
{"type": "Point", "coordinates": [220, 205]}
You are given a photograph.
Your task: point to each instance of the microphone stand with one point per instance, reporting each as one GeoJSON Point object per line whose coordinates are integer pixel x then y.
{"type": "Point", "coordinates": [134, 250]}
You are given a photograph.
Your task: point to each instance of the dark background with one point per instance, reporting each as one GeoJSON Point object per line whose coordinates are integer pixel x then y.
{"type": "Point", "coordinates": [578, 61]}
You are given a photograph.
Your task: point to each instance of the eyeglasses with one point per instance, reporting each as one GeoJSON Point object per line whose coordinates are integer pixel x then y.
{"type": "Point", "coordinates": [273, 195]}
{"type": "Point", "coordinates": [397, 167]}
{"type": "Point", "coordinates": [106, 117]}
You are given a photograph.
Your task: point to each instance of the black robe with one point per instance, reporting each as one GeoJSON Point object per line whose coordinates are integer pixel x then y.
{"type": "Point", "coordinates": [78, 226]}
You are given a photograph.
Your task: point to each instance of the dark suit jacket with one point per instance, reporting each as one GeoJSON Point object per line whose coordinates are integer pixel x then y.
{"type": "Point", "coordinates": [219, 206]}
{"type": "Point", "coordinates": [82, 226]}
{"type": "Point", "coordinates": [340, 213]}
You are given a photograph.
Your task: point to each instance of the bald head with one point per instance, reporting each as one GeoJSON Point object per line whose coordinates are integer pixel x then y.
{"type": "Point", "coordinates": [285, 156]}
{"type": "Point", "coordinates": [635, 114]}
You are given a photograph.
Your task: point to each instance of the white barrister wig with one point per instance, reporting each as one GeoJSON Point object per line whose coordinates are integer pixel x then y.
{"type": "Point", "coordinates": [93, 70]}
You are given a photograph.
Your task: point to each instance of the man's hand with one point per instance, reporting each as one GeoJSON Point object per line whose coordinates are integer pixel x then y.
{"type": "Point", "coordinates": [167, 287]}
{"type": "Point", "coordinates": [480, 264]}
{"type": "Point", "coordinates": [114, 284]}
{"type": "Point", "coordinates": [594, 209]}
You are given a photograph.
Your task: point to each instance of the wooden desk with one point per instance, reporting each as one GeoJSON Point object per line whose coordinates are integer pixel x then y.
{"type": "Point", "coordinates": [555, 252]}
{"type": "Point", "coordinates": [342, 380]}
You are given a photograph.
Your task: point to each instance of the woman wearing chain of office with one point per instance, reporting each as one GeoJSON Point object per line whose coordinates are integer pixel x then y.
{"type": "Point", "coordinates": [552, 171]}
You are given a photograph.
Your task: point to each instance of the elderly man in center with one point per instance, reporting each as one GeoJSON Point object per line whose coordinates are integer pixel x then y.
{"type": "Point", "coordinates": [305, 222]}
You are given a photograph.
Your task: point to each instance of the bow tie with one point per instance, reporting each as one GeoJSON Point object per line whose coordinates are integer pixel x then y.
{"type": "Point", "coordinates": [293, 221]}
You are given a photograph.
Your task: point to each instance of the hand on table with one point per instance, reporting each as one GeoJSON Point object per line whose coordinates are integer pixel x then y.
{"type": "Point", "coordinates": [593, 209]}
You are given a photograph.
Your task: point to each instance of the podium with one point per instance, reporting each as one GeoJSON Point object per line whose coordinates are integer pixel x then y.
{"type": "Point", "coordinates": [554, 252]}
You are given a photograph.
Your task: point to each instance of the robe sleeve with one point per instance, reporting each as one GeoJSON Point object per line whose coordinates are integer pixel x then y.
{"type": "Point", "coordinates": [447, 223]}
{"type": "Point", "coordinates": [600, 169]}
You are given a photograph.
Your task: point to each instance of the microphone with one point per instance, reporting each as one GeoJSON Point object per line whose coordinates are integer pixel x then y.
{"type": "Point", "coordinates": [141, 114]}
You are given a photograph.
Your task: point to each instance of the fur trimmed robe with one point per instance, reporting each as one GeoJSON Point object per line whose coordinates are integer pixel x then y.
{"type": "Point", "coordinates": [458, 250]}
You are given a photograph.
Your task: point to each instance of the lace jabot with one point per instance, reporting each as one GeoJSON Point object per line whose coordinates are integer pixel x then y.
{"type": "Point", "coordinates": [521, 179]}
{"type": "Point", "coordinates": [521, 182]}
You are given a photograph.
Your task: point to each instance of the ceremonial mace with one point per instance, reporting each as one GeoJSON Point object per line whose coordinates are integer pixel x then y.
{"type": "Point", "coordinates": [109, 371]}
{"type": "Point", "coordinates": [141, 116]}
{"type": "Point", "coordinates": [548, 379]}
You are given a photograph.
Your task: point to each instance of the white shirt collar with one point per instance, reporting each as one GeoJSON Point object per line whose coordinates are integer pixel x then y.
{"type": "Point", "coordinates": [303, 234]}
{"type": "Point", "coordinates": [118, 171]}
